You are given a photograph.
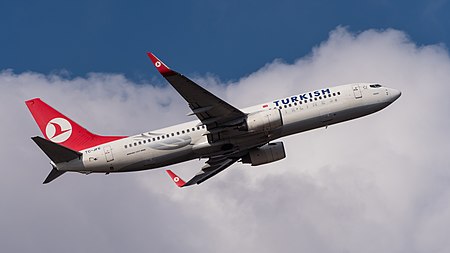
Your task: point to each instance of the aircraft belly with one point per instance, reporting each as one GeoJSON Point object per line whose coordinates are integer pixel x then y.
{"type": "Point", "coordinates": [159, 161]}
{"type": "Point", "coordinates": [155, 158]}
{"type": "Point", "coordinates": [300, 122]}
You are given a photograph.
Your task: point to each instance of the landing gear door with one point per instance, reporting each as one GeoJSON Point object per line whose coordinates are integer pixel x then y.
{"type": "Point", "coordinates": [108, 153]}
{"type": "Point", "coordinates": [357, 91]}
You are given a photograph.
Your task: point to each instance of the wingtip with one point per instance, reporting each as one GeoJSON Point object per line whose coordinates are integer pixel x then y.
{"type": "Point", "coordinates": [176, 179]}
{"type": "Point", "coordinates": [160, 65]}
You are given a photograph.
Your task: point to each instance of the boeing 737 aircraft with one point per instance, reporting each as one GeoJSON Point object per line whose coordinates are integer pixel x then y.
{"type": "Point", "coordinates": [223, 134]}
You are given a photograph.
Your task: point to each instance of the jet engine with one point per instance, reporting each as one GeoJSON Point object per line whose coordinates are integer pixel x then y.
{"type": "Point", "coordinates": [266, 120]}
{"type": "Point", "coordinates": [268, 153]}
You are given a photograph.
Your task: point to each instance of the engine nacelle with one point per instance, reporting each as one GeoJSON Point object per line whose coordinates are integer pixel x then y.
{"type": "Point", "coordinates": [266, 120]}
{"type": "Point", "coordinates": [268, 153]}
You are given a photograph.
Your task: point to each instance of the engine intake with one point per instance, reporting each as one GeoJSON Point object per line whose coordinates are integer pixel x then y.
{"type": "Point", "coordinates": [266, 120]}
{"type": "Point", "coordinates": [268, 153]}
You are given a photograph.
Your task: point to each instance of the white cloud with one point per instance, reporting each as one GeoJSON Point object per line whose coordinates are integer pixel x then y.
{"type": "Point", "coordinates": [376, 184]}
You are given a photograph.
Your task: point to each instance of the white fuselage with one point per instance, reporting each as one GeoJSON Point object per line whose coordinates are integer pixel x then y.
{"type": "Point", "coordinates": [187, 141]}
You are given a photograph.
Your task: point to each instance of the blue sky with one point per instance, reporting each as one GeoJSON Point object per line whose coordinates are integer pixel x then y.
{"type": "Point", "coordinates": [229, 39]}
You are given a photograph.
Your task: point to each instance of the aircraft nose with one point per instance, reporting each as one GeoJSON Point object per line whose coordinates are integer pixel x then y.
{"type": "Point", "coordinates": [395, 94]}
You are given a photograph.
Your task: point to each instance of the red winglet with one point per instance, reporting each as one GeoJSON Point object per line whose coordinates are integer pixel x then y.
{"type": "Point", "coordinates": [160, 66]}
{"type": "Point", "coordinates": [178, 181]}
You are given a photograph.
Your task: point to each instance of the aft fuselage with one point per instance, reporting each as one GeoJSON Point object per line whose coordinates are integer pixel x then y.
{"type": "Point", "coordinates": [183, 142]}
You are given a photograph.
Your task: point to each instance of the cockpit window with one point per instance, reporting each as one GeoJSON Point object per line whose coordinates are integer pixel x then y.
{"type": "Point", "coordinates": [375, 85]}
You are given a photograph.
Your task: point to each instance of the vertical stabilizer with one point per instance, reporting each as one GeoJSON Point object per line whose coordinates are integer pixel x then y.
{"type": "Point", "coordinates": [60, 129]}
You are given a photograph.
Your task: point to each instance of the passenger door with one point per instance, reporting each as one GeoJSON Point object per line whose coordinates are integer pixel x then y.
{"type": "Point", "coordinates": [357, 91]}
{"type": "Point", "coordinates": [108, 153]}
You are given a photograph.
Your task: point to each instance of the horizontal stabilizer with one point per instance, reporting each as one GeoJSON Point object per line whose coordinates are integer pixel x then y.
{"type": "Point", "coordinates": [56, 152]}
{"type": "Point", "coordinates": [54, 173]}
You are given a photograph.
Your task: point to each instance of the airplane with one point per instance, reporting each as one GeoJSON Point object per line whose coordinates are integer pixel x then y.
{"type": "Point", "coordinates": [223, 134]}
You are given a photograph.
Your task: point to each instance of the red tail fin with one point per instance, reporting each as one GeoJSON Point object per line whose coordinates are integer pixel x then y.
{"type": "Point", "coordinates": [60, 129]}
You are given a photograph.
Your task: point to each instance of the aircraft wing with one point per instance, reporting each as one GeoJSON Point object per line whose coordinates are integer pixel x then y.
{"type": "Point", "coordinates": [211, 110]}
{"type": "Point", "coordinates": [213, 166]}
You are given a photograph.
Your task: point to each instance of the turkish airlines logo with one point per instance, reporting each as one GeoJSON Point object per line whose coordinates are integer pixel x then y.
{"type": "Point", "coordinates": [58, 130]}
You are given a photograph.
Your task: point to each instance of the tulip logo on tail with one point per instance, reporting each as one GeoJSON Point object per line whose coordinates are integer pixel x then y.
{"type": "Point", "coordinates": [58, 130]}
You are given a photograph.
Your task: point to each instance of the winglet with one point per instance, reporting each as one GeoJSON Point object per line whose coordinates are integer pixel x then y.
{"type": "Point", "coordinates": [160, 66]}
{"type": "Point", "coordinates": [178, 181]}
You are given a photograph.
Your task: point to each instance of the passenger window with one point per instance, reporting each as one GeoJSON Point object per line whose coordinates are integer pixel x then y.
{"type": "Point", "coordinates": [144, 141]}
{"type": "Point", "coordinates": [173, 134]}
{"type": "Point", "coordinates": [198, 128]}
{"type": "Point", "coordinates": [178, 133]}
{"type": "Point", "coordinates": [153, 139]}
{"type": "Point", "coordinates": [182, 132]}
{"type": "Point", "coordinates": [193, 129]}
{"type": "Point", "coordinates": [334, 94]}
{"type": "Point", "coordinates": [339, 93]}
{"type": "Point", "coordinates": [140, 143]}
{"type": "Point", "coordinates": [125, 146]}
{"type": "Point", "coordinates": [187, 130]}
{"type": "Point", "coordinates": [320, 97]}
{"type": "Point", "coordinates": [157, 138]}
{"type": "Point", "coordinates": [167, 135]}
{"type": "Point", "coordinates": [135, 144]}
